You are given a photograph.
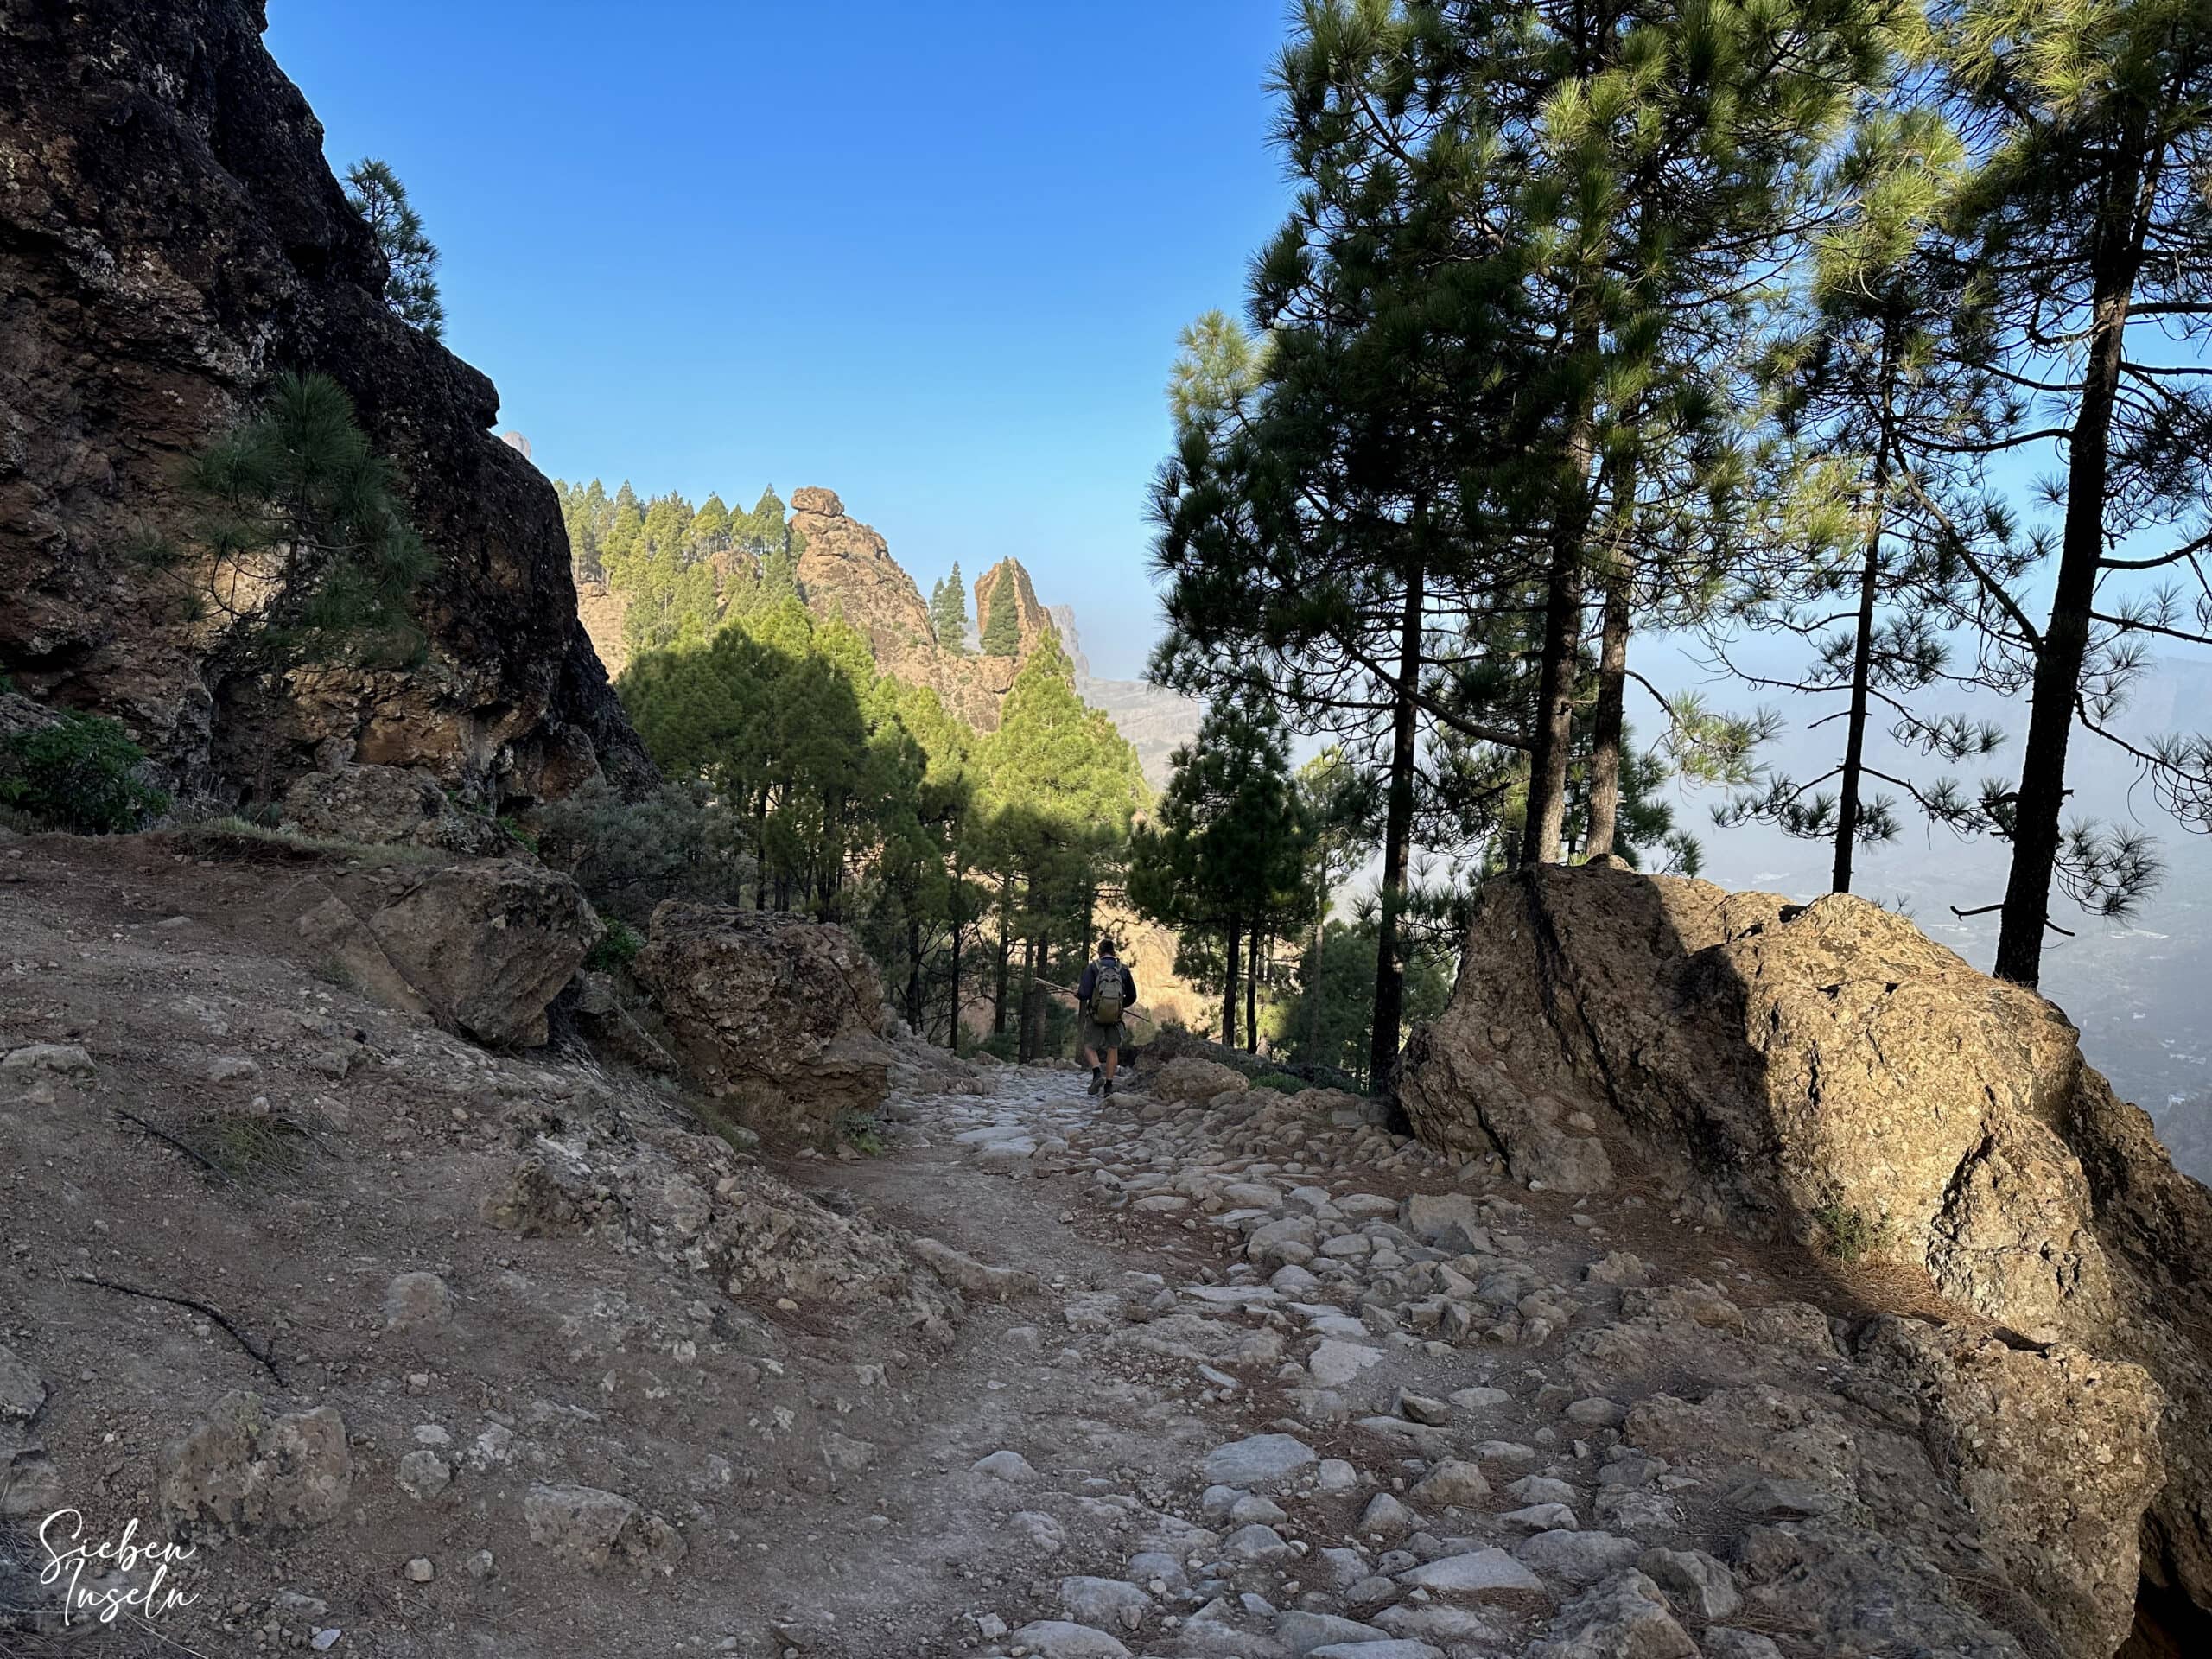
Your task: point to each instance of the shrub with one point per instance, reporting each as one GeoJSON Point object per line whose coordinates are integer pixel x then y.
{"type": "Point", "coordinates": [863, 1131]}
{"type": "Point", "coordinates": [618, 947]}
{"type": "Point", "coordinates": [1847, 1234]}
{"type": "Point", "coordinates": [716, 1120]}
{"type": "Point", "coordinates": [81, 774]}
{"type": "Point", "coordinates": [516, 833]}
{"type": "Point", "coordinates": [1281, 1082]}
{"type": "Point", "coordinates": [629, 856]}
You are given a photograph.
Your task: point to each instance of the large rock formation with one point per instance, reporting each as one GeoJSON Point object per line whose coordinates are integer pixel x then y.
{"type": "Point", "coordinates": [1826, 1072]}
{"type": "Point", "coordinates": [777, 1016]}
{"type": "Point", "coordinates": [170, 238]}
{"type": "Point", "coordinates": [1030, 619]}
{"type": "Point", "coordinates": [847, 570]}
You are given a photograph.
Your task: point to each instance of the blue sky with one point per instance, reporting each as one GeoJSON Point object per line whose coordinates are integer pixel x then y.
{"type": "Point", "coordinates": [932, 257]}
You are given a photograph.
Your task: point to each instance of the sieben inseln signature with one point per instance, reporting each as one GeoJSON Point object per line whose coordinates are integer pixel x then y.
{"type": "Point", "coordinates": [129, 1576]}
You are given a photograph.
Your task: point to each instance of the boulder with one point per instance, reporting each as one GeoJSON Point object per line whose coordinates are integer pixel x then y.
{"type": "Point", "coordinates": [482, 947]}
{"type": "Point", "coordinates": [386, 806]}
{"type": "Point", "coordinates": [774, 1014]}
{"type": "Point", "coordinates": [22, 1391]}
{"type": "Point", "coordinates": [244, 258]}
{"type": "Point", "coordinates": [1827, 1073]}
{"type": "Point", "coordinates": [1193, 1079]}
{"type": "Point", "coordinates": [1624, 1617]}
{"type": "Point", "coordinates": [595, 1527]}
{"type": "Point", "coordinates": [245, 1470]}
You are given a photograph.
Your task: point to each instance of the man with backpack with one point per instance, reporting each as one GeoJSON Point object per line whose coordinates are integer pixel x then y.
{"type": "Point", "coordinates": [1106, 991]}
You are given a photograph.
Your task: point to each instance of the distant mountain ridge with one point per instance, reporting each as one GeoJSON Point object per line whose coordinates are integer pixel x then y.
{"type": "Point", "coordinates": [1157, 721]}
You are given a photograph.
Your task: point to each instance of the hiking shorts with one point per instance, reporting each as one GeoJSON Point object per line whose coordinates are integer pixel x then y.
{"type": "Point", "coordinates": [1102, 1038]}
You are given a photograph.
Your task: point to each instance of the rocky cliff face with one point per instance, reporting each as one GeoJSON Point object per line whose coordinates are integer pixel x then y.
{"type": "Point", "coordinates": [847, 570]}
{"type": "Point", "coordinates": [170, 238]}
{"type": "Point", "coordinates": [1826, 1072]}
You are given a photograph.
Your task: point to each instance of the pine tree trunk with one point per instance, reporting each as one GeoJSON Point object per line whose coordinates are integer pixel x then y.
{"type": "Point", "coordinates": [1608, 720]}
{"type": "Point", "coordinates": [1232, 936]}
{"type": "Point", "coordinates": [1005, 957]}
{"type": "Point", "coordinates": [1252, 996]}
{"type": "Point", "coordinates": [2065, 644]}
{"type": "Point", "coordinates": [1543, 832]}
{"type": "Point", "coordinates": [952, 1039]}
{"type": "Point", "coordinates": [1397, 841]}
{"type": "Point", "coordinates": [760, 854]}
{"type": "Point", "coordinates": [1312, 988]}
{"type": "Point", "coordinates": [914, 974]}
{"type": "Point", "coordinates": [1026, 1040]}
{"type": "Point", "coordinates": [1848, 811]}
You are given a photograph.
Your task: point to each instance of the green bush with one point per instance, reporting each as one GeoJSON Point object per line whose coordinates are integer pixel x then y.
{"type": "Point", "coordinates": [1281, 1082]}
{"type": "Point", "coordinates": [1848, 1235]}
{"type": "Point", "coordinates": [516, 833]}
{"type": "Point", "coordinates": [863, 1131]}
{"type": "Point", "coordinates": [617, 948]}
{"type": "Point", "coordinates": [629, 856]}
{"type": "Point", "coordinates": [78, 774]}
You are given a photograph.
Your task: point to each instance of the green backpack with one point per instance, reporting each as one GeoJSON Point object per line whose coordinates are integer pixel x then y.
{"type": "Point", "coordinates": [1109, 991]}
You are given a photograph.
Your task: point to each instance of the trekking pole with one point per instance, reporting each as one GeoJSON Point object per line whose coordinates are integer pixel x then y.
{"type": "Point", "coordinates": [1129, 1012]}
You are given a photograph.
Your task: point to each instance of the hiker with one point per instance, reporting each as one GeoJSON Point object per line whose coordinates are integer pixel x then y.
{"type": "Point", "coordinates": [1106, 991]}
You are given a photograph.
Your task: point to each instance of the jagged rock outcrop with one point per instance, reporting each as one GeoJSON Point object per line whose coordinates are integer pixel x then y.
{"type": "Point", "coordinates": [1032, 618]}
{"type": "Point", "coordinates": [1824, 1072]}
{"type": "Point", "coordinates": [847, 570]}
{"type": "Point", "coordinates": [170, 238]}
{"type": "Point", "coordinates": [483, 948]}
{"type": "Point", "coordinates": [776, 1016]}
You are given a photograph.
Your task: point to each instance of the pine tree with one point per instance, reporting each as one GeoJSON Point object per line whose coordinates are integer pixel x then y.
{"type": "Point", "coordinates": [2092, 247]}
{"type": "Point", "coordinates": [948, 612]}
{"type": "Point", "coordinates": [1219, 369]}
{"type": "Point", "coordinates": [624, 539]}
{"type": "Point", "coordinates": [1227, 855]}
{"type": "Point", "coordinates": [767, 536]}
{"type": "Point", "coordinates": [1002, 625]}
{"type": "Point", "coordinates": [410, 288]}
{"type": "Point", "coordinates": [1059, 786]}
{"type": "Point", "coordinates": [300, 545]}
{"type": "Point", "coordinates": [710, 533]}
{"type": "Point", "coordinates": [1883, 412]}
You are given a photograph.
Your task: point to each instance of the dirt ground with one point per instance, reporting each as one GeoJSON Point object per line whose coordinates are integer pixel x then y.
{"type": "Point", "coordinates": [269, 1145]}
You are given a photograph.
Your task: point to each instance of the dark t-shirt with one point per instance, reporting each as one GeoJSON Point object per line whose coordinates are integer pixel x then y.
{"type": "Point", "coordinates": [1088, 984]}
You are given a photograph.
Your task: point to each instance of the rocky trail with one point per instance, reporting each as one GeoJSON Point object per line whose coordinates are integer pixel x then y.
{"type": "Point", "coordinates": [505, 1354]}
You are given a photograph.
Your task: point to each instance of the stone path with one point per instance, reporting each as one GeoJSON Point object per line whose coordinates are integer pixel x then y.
{"type": "Point", "coordinates": [1289, 1385]}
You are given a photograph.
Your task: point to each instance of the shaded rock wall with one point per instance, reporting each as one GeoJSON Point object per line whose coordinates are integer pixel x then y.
{"type": "Point", "coordinates": [170, 238]}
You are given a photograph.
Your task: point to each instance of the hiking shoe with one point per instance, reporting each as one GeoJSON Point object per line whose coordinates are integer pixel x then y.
{"type": "Point", "coordinates": [1097, 1077]}
{"type": "Point", "coordinates": [1110, 1088]}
